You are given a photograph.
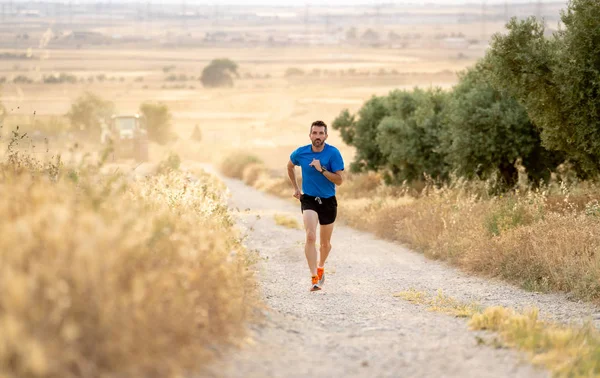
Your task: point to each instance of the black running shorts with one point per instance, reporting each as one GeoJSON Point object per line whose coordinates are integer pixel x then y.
{"type": "Point", "coordinates": [326, 208]}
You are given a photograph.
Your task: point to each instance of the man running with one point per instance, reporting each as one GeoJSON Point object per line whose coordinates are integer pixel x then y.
{"type": "Point", "coordinates": [322, 167]}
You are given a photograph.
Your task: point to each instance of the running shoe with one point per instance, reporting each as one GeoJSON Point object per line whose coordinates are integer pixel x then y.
{"type": "Point", "coordinates": [315, 284]}
{"type": "Point", "coordinates": [321, 275]}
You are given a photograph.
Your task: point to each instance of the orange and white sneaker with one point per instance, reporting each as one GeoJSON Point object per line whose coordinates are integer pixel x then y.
{"type": "Point", "coordinates": [315, 284]}
{"type": "Point", "coordinates": [321, 275]}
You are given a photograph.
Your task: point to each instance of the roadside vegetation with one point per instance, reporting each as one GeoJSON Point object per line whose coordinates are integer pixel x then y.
{"type": "Point", "coordinates": [106, 276]}
{"type": "Point", "coordinates": [565, 350]}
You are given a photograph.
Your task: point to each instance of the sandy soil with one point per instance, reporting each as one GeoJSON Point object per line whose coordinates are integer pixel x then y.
{"type": "Point", "coordinates": [355, 327]}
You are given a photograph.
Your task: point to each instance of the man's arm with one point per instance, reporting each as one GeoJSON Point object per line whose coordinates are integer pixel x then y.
{"type": "Point", "coordinates": [335, 177]}
{"type": "Point", "coordinates": [291, 168]}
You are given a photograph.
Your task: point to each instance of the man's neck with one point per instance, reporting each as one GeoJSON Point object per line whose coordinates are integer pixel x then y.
{"type": "Point", "coordinates": [318, 149]}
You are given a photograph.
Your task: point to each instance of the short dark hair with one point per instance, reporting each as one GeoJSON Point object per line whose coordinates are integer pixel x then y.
{"type": "Point", "coordinates": [319, 124]}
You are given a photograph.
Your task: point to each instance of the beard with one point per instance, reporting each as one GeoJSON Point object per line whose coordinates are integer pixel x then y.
{"type": "Point", "coordinates": [317, 142]}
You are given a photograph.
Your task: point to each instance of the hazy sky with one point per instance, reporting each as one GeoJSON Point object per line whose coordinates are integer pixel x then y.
{"type": "Point", "coordinates": [355, 2]}
{"type": "Point", "coordinates": [302, 3]}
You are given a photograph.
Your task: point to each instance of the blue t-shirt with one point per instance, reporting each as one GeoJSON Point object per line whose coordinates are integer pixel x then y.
{"type": "Point", "coordinates": [314, 183]}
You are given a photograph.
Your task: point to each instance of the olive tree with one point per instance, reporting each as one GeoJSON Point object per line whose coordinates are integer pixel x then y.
{"type": "Point", "coordinates": [556, 79]}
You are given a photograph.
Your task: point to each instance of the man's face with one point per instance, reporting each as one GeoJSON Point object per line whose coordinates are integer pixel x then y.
{"type": "Point", "coordinates": [317, 135]}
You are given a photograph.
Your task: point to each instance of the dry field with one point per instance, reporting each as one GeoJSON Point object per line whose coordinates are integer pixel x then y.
{"type": "Point", "coordinates": [266, 112]}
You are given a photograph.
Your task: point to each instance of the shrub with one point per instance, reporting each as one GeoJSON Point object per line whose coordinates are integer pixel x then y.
{"type": "Point", "coordinates": [234, 164]}
{"type": "Point", "coordinates": [362, 133]}
{"type": "Point", "coordinates": [87, 114]}
{"type": "Point", "coordinates": [409, 137]}
{"type": "Point", "coordinates": [219, 73]}
{"type": "Point", "coordinates": [252, 173]}
{"type": "Point", "coordinates": [158, 121]}
{"type": "Point", "coordinates": [293, 71]}
{"type": "Point", "coordinates": [197, 134]}
{"type": "Point", "coordinates": [170, 164]}
{"type": "Point", "coordinates": [22, 79]}
{"type": "Point", "coordinates": [58, 79]}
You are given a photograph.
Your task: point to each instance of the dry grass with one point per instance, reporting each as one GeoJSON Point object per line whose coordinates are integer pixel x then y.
{"type": "Point", "coordinates": [567, 351]}
{"type": "Point", "coordinates": [360, 186]}
{"type": "Point", "coordinates": [286, 221]}
{"type": "Point", "coordinates": [440, 303]}
{"type": "Point", "coordinates": [521, 237]}
{"type": "Point", "coordinates": [101, 276]}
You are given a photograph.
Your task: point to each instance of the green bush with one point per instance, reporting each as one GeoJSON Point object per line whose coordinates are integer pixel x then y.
{"type": "Point", "coordinates": [409, 137]}
{"type": "Point", "coordinates": [397, 134]}
{"type": "Point", "coordinates": [362, 133]}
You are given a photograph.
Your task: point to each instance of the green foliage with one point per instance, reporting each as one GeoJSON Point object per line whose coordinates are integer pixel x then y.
{"type": "Point", "coordinates": [487, 131]}
{"type": "Point", "coordinates": [219, 73]}
{"type": "Point", "coordinates": [397, 134]}
{"type": "Point", "coordinates": [87, 114]}
{"type": "Point", "coordinates": [158, 121]}
{"type": "Point", "coordinates": [409, 137]}
{"type": "Point", "coordinates": [557, 80]}
{"type": "Point", "coordinates": [362, 133]}
{"type": "Point", "coordinates": [531, 101]}
{"type": "Point", "coordinates": [171, 163]}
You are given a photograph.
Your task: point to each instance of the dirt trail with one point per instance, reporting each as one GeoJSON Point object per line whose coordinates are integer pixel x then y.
{"type": "Point", "coordinates": [355, 327]}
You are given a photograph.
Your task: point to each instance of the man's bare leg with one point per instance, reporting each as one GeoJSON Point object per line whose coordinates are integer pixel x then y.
{"type": "Point", "coordinates": [311, 219]}
{"type": "Point", "coordinates": [325, 247]}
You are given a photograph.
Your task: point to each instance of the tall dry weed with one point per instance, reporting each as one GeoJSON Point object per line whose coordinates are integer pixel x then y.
{"type": "Point", "coordinates": [528, 238]}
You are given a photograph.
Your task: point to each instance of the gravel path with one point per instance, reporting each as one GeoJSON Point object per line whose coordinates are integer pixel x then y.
{"type": "Point", "coordinates": [355, 327]}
